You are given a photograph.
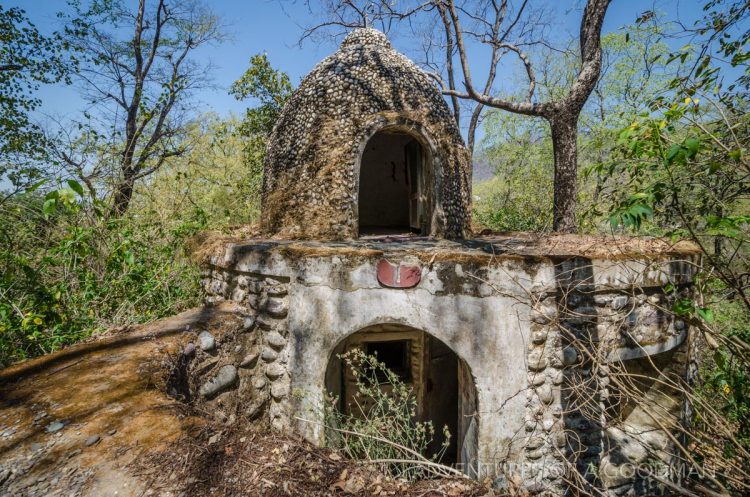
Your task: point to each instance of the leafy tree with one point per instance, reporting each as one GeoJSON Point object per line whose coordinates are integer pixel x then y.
{"type": "Point", "coordinates": [67, 272]}
{"type": "Point", "coordinates": [138, 74]}
{"type": "Point", "coordinates": [70, 264]}
{"type": "Point", "coordinates": [216, 176]}
{"type": "Point", "coordinates": [270, 89]}
{"type": "Point", "coordinates": [521, 150]}
{"type": "Point", "coordinates": [681, 169]}
{"type": "Point", "coordinates": [722, 38]}
{"type": "Point", "coordinates": [686, 160]}
{"type": "Point", "coordinates": [221, 174]}
{"type": "Point", "coordinates": [28, 59]}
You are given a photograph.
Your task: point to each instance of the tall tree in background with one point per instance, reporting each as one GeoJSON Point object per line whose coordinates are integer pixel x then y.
{"type": "Point", "coordinates": [519, 149]}
{"type": "Point", "coordinates": [686, 162]}
{"type": "Point", "coordinates": [270, 89]}
{"type": "Point", "coordinates": [561, 113]}
{"type": "Point", "coordinates": [221, 174]}
{"type": "Point", "coordinates": [138, 77]}
{"type": "Point", "coordinates": [494, 23]}
{"type": "Point", "coordinates": [499, 20]}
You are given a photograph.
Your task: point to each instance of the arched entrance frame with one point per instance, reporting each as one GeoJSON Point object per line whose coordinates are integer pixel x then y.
{"type": "Point", "coordinates": [427, 364]}
{"type": "Point", "coordinates": [483, 331]}
{"type": "Point", "coordinates": [432, 167]}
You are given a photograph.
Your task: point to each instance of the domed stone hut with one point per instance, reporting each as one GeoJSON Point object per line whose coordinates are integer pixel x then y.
{"type": "Point", "coordinates": [366, 145]}
{"type": "Point", "coordinates": [513, 342]}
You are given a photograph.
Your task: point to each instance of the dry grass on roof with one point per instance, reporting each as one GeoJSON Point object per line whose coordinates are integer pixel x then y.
{"type": "Point", "coordinates": [208, 243]}
{"type": "Point", "coordinates": [592, 246]}
{"type": "Point", "coordinates": [486, 247]}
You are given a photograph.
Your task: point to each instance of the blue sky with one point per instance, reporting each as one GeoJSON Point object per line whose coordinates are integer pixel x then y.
{"type": "Point", "coordinates": [264, 26]}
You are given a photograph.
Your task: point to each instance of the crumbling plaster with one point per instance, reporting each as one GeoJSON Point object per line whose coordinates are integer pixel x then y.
{"type": "Point", "coordinates": [538, 319]}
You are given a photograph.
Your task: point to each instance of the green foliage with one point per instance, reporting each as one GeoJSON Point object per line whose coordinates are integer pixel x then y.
{"type": "Point", "coordinates": [504, 203]}
{"type": "Point", "coordinates": [519, 148]}
{"type": "Point", "coordinates": [632, 212]}
{"type": "Point", "coordinates": [220, 176]}
{"type": "Point", "coordinates": [681, 169]}
{"type": "Point", "coordinates": [684, 168]}
{"type": "Point", "coordinates": [520, 152]}
{"type": "Point", "coordinates": [28, 59]}
{"type": "Point", "coordinates": [66, 272]}
{"type": "Point", "coordinates": [382, 424]}
{"type": "Point", "coordinates": [724, 40]}
{"type": "Point", "coordinates": [67, 269]}
{"type": "Point", "coordinates": [725, 374]}
{"type": "Point", "coordinates": [138, 74]}
{"type": "Point", "coordinates": [270, 87]}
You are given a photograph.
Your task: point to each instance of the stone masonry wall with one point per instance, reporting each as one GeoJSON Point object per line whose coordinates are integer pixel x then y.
{"type": "Point", "coordinates": [586, 324]}
{"type": "Point", "coordinates": [245, 372]}
{"type": "Point", "coordinates": [585, 341]}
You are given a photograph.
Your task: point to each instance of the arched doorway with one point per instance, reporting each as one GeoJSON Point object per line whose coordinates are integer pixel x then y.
{"type": "Point", "coordinates": [392, 185]}
{"type": "Point", "coordinates": [440, 380]}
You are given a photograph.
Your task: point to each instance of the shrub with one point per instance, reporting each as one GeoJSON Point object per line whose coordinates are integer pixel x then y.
{"type": "Point", "coordinates": [381, 428]}
{"type": "Point", "coordinates": [67, 272]}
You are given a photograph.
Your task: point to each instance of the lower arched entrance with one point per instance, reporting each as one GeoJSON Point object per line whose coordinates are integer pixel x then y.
{"type": "Point", "coordinates": [440, 380]}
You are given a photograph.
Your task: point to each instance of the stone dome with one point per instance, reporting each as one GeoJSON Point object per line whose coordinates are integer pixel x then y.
{"type": "Point", "coordinates": [367, 142]}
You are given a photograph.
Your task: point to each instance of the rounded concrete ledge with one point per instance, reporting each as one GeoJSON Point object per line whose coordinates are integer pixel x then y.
{"type": "Point", "coordinates": [626, 354]}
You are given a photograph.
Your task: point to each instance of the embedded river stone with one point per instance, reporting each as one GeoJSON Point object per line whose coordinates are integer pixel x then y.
{"type": "Point", "coordinates": [206, 341]}
{"type": "Point", "coordinates": [226, 376]}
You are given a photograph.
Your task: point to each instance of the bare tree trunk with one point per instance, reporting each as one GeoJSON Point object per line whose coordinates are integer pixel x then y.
{"type": "Point", "coordinates": [473, 125]}
{"type": "Point", "coordinates": [562, 114]}
{"type": "Point", "coordinates": [123, 195]}
{"type": "Point", "coordinates": [449, 47]}
{"type": "Point", "coordinates": [564, 133]}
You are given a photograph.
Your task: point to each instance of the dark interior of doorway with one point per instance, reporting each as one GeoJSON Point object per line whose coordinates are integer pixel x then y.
{"type": "Point", "coordinates": [390, 177]}
{"type": "Point", "coordinates": [429, 367]}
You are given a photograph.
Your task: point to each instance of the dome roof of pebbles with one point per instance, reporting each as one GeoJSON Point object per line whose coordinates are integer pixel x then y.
{"type": "Point", "coordinates": [310, 183]}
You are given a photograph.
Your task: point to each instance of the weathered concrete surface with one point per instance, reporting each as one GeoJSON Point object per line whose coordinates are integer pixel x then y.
{"type": "Point", "coordinates": [460, 322]}
{"type": "Point", "coordinates": [281, 309]}
{"type": "Point", "coordinates": [104, 388]}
